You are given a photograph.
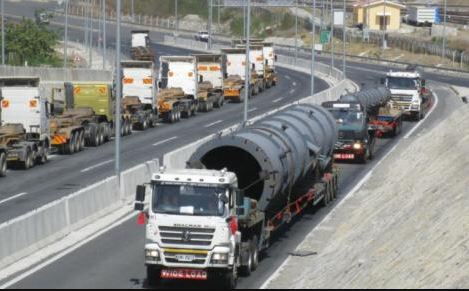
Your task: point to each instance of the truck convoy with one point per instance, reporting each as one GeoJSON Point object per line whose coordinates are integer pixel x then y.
{"type": "Point", "coordinates": [408, 92]}
{"type": "Point", "coordinates": [211, 69]}
{"type": "Point", "coordinates": [211, 220]}
{"type": "Point", "coordinates": [178, 87]}
{"type": "Point", "coordinates": [140, 46]}
{"type": "Point", "coordinates": [362, 117]}
{"type": "Point", "coordinates": [24, 127]}
{"type": "Point", "coordinates": [139, 93]}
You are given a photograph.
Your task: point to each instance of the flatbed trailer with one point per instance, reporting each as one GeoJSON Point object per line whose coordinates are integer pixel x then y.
{"type": "Point", "coordinates": [387, 122]}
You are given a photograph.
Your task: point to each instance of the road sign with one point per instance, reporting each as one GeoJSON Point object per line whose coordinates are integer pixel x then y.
{"type": "Point", "coordinates": [325, 36]}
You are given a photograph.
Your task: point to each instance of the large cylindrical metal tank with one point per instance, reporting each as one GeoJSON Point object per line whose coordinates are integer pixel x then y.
{"type": "Point", "coordinates": [369, 98]}
{"type": "Point", "coordinates": [274, 154]}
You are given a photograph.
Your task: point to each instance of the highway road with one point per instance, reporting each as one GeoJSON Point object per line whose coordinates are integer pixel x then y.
{"type": "Point", "coordinates": [115, 259]}
{"type": "Point", "coordinates": [23, 191]}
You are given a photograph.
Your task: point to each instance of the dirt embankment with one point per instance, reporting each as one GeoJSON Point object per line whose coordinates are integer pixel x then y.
{"type": "Point", "coordinates": [407, 227]}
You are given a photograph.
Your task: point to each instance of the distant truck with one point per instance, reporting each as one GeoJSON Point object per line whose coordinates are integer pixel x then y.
{"type": "Point", "coordinates": [421, 16]}
{"type": "Point", "coordinates": [233, 87]}
{"type": "Point", "coordinates": [140, 49]}
{"type": "Point", "coordinates": [211, 69]}
{"type": "Point", "coordinates": [362, 117]}
{"type": "Point", "coordinates": [178, 87]}
{"type": "Point", "coordinates": [139, 93]}
{"type": "Point", "coordinates": [24, 129]}
{"type": "Point", "coordinates": [408, 91]}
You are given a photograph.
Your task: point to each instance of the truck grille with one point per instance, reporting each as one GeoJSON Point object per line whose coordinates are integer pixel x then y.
{"type": "Point", "coordinates": [171, 257]}
{"type": "Point", "coordinates": [402, 98]}
{"type": "Point", "coordinates": [346, 135]}
{"type": "Point", "coordinates": [186, 236]}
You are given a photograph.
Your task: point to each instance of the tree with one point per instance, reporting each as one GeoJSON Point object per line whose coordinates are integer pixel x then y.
{"type": "Point", "coordinates": [28, 42]}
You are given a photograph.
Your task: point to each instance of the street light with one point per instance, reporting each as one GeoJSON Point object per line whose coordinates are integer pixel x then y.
{"type": "Point", "coordinates": [444, 31]}
{"type": "Point", "coordinates": [104, 34]}
{"type": "Point", "coordinates": [65, 35]}
{"type": "Point", "coordinates": [313, 53]}
{"type": "Point", "coordinates": [3, 31]}
{"type": "Point", "coordinates": [345, 38]}
{"type": "Point", "coordinates": [118, 97]}
{"type": "Point", "coordinates": [248, 63]}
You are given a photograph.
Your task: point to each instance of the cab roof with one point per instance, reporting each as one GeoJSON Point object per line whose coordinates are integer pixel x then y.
{"type": "Point", "coordinates": [199, 176]}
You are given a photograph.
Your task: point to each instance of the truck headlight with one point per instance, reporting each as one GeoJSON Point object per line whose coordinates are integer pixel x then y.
{"type": "Point", "coordinates": [152, 255]}
{"type": "Point", "coordinates": [357, 146]}
{"type": "Point", "coordinates": [219, 258]}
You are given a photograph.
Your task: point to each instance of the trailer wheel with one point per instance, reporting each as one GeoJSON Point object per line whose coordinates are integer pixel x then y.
{"type": "Point", "coordinates": [81, 141]}
{"type": "Point", "coordinates": [3, 164]}
{"type": "Point", "coordinates": [255, 254]}
{"type": "Point", "coordinates": [327, 197]}
{"type": "Point", "coordinates": [153, 276]}
{"type": "Point", "coordinates": [93, 138]}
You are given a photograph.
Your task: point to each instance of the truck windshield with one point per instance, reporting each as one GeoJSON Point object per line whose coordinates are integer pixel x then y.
{"type": "Point", "coordinates": [348, 118]}
{"type": "Point", "coordinates": [402, 83]}
{"type": "Point", "coordinates": [188, 200]}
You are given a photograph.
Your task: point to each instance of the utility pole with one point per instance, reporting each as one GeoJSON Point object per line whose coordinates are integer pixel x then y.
{"type": "Point", "coordinates": [385, 45]}
{"type": "Point", "coordinates": [91, 34]}
{"type": "Point", "coordinates": [177, 16]}
{"type": "Point", "coordinates": [133, 11]}
{"type": "Point", "coordinates": [244, 20]}
{"type": "Point", "coordinates": [443, 55]}
{"type": "Point", "coordinates": [210, 6]}
{"type": "Point", "coordinates": [66, 33]}
{"type": "Point", "coordinates": [118, 98]}
{"type": "Point", "coordinates": [296, 31]}
{"type": "Point", "coordinates": [344, 69]}
{"type": "Point", "coordinates": [248, 63]}
{"type": "Point", "coordinates": [332, 37]}
{"type": "Point", "coordinates": [313, 52]}
{"type": "Point", "coordinates": [3, 31]}
{"type": "Point", "coordinates": [104, 35]}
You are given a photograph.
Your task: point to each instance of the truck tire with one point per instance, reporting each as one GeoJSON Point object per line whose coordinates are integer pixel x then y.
{"type": "Point", "coordinates": [93, 138]}
{"type": "Point", "coordinates": [3, 164]}
{"type": "Point", "coordinates": [247, 269]}
{"type": "Point", "coordinates": [242, 95]}
{"type": "Point", "coordinates": [254, 253]}
{"type": "Point", "coordinates": [69, 148]}
{"type": "Point", "coordinates": [153, 276]}
{"type": "Point", "coordinates": [29, 161]}
{"type": "Point", "coordinates": [81, 141]}
{"type": "Point", "coordinates": [327, 196]}
{"type": "Point", "coordinates": [230, 279]}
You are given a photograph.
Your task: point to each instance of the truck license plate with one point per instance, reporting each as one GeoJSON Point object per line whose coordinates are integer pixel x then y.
{"type": "Point", "coordinates": [185, 258]}
{"type": "Point", "coordinates": [184, 274]}
{"type": "Point", "coordinates": [344, 156]}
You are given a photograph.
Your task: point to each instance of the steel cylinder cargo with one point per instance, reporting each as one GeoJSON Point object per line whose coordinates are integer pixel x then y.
{"type": "Point", "coordinates": [369, 98]}
{"type": "Point", "coordinates": [275, 154]}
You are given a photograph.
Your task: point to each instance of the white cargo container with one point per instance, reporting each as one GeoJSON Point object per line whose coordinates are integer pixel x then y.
{"type": "Point", "coordinates": [421, 16]}
{"type": "Point", "coordinates": [139, 79]}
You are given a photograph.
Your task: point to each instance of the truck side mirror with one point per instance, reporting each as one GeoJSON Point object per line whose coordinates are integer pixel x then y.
{"type": "Point", "coordinates": [226, 76]}
{"type": "Point", "coordinates": [201, 78]}
{"type": "Point", "coordinates": [276, 57]}
{"type": "Point", "coordinates": [253, 66]}
{"type": "Point", "coordinates": [141, 191]}
{"type": "Point", "coordinates": [160, 85]}
{"type": "Point", "coordinates": [383, 81]}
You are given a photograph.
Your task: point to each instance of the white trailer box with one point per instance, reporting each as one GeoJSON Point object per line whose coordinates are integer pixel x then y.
{"type": "Point", "coordinates": [235, 62]}
{"type": "Point", "coordinates": [139, 79]}
{"type": "Point", "coordinates": [23, 104]}
{"type": "Point", "coordinates": [140, 38]}
{"type": "Point", "coordinates": [179, 72]}
{"type": "Point", "coordinates": [269, 54]}
{"type": "Point", "coordinates": [256, 57]}
{"type": "Point", "coordinates": [421, 15]}
{"type": "Point", "coordinates": [211, 68]}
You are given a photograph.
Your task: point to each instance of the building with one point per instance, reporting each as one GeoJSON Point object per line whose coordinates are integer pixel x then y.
{"type": "Point", "coordinates": [375, 15]}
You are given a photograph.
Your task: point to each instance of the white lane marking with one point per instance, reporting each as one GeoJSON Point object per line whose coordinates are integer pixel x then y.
{"type": "Point", "coordinates": [252, 109]}
{"type": "Point", "coordinates": [68, 251]}
{"type": "Point", "coordinates": [287, 77]}
{"type": "Point", "coordinates": [348, 196]}
{"type": "Point", "coordinates": [13, 197]}
{"type": "Point", "coordinates": [213, 123]}
{"type": "Point", "coordinates": [277, 100]}
{"type": "Point", "coordinates": [96, 166]}
{"type": "Point", "coordinates": [165, 141]}
{"type": "Point", "coordinates": [423, 120]}
{"type": "Point", "coordinates": [294, 84]}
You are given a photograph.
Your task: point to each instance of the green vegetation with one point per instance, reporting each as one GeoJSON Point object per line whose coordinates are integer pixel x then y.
{"type": "Point", "coordinates": [31, 43]}
{"type": "Point", "coordinates": [165, 8]}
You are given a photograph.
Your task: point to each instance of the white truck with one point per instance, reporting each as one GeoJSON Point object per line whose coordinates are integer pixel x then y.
{"type": "Point", "coordinates": [408, 90]}
{"type": "Point", "coordinates": [233, 88]}
{"type": "Point", "coordinates": [139, 81]}
{"type": "Point", "coordinates": [24, 130]}
{"type": "Point", "coordinates": [178, 86]}
{"type": "Point", "coordinates": [211, 69]}
{"type": "Point", "coordinates": [212, 220]}
{"type": "Point", "coordinates": [421, 16]}
{"type": "Point", "coordinates": [140, 46]}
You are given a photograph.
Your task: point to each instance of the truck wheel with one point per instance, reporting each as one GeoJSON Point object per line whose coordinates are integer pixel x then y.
{"type": "Point", "coordinates": [93, 139]}
{"type": "Point", "coordinates": [3, 164]}
{"type": "Point", "coordinates": [28, 163]}
{"type": "Point", "coordinates": [129, 127]}
{"type": "Point", "coordinates": [247, 269]}
{"type": "Point", "coordinates": [327, 196]}
{"type": "Point", "coordinates": [153, 276]}
{"type": "Point", "coordinates": [81, 141]}
{"type": "Point", "coordinates": [69, 148]}
{"type": "Point", "coordinates": [230, 279]}
{"type": "Point", "coordinates": [255, 254]}
{"type": "Point", "coordinates": [242, 95]}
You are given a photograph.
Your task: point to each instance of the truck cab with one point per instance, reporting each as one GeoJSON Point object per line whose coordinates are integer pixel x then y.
{"type": "Point", "coordinates": [25, 114]}
{"type": "Point", "coordinates": [192, 230]}
{"type": "Point", "coordinates": [356, 138]}
{"type": "Point", "coordinates": [407, 89]}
